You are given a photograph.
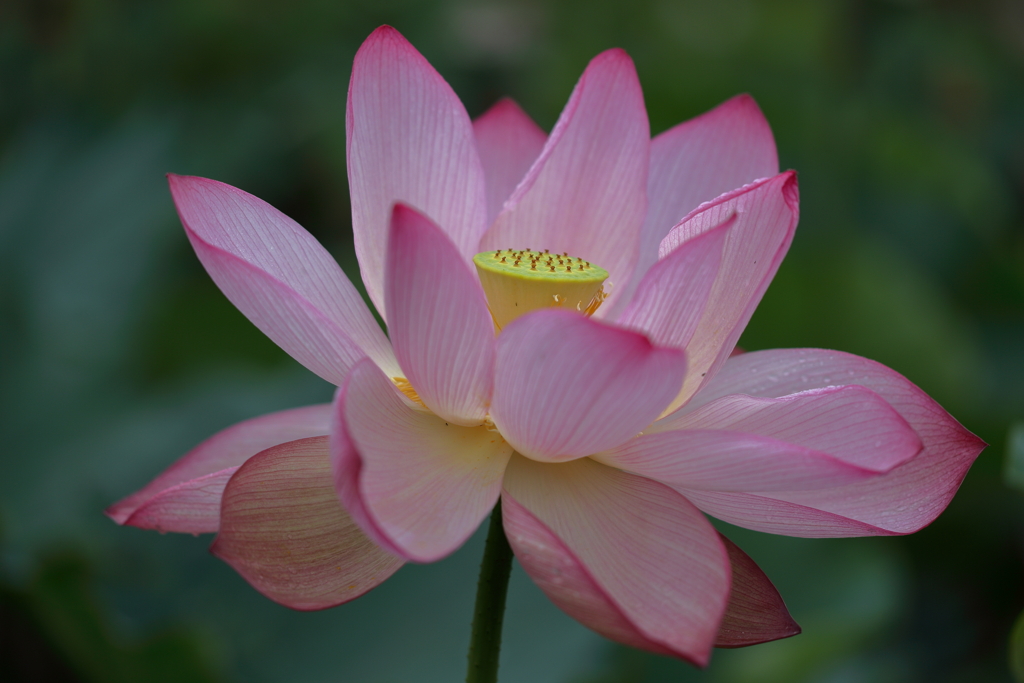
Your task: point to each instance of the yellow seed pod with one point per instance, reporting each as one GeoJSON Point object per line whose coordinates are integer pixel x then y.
{"type": "Point", "coordinates": [519, 281]}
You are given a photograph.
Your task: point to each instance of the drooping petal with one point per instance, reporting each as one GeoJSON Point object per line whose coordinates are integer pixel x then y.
{"type": "Point", "coordinates": [567, 386]}
{"type": "Point", "coordinates": [280, 277]}
{"type": "Point", "coordinates": [756, 612]}
{"type": "Point", "coordinates": [851, 423]}
{"type": "Point", "coordinates": [284, 531]}
{"type": "Point", "coordinates": [439, 323]}
{"type": "Point", "coordinates": [899, 502]}
{"type": "Point", "coordinates": [409, 140]}
{"type": "Point", "coordinates": [185, 497]}
{"type": "Point", "coordinates": [766, 216]}
{"type": "Point", "coordinates": [420, 484]}
{"type": "Point", "coordinates": [586, 193]}
{"type": "Point", "coordinates": [670, 300]}
{"type": "Point", "coordinates": [508, 142]}
{"type": "Point", "coordinates": [624, 555]}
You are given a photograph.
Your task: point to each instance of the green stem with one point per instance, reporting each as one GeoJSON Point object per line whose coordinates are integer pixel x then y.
{"type": "Point", "coordinates": [485, 642]}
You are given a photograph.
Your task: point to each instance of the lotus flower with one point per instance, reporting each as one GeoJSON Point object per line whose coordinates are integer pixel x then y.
{"type": "Point", "coordinates": [596, 395]}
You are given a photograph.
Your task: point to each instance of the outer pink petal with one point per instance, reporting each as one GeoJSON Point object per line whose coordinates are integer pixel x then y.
{"type": "Point", "coordinates": [508, 142]}
{"type": "Point", "coordinates": [900, 502]}
{"type": "Point", "coordinates": [191, 507]}
{"type": "Point", "coordinates": [186, 496]}
{"type": "Point", "coordinates": [586, 194]}
{"type": "Point", "coordinates": [766, 216]}
{"type": "Point", "coordinates": [731, 461]}
{"type": "Point", "coordinates": [409, 140]}
{"type": "Point", "coordinates": [567, 386]}
{"type": "Point", "coordinates": [284, 531]}
{"type": "Point", "coordinates": [280, 277]}
{"type": "Point", "coordinates": [672, 297]}
{"type": "Point", "coordinates": [439, 323]}
{"type": "Point", "coordinates": [626, 556]}
{"type": "Point", "coordinates": [756, 612]}
{"type": "Point", "coordinates": [700, 159]}
{"type": "Point", "coordinates": [851, 423]}
{"type": "Point", "coordinates": [418, 483]}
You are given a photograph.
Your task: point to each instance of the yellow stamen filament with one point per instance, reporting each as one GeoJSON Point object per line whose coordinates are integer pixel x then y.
{"type": "Point", "coordinates": [406, 388]}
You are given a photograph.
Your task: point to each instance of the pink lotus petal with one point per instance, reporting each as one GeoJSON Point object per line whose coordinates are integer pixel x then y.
{"type": "Point", "coordinates": [409, 140]}
{"type": "Point", "coordinates": [731, 461]}
{"type": "Point", "coordinates": [670, 300]}
{"type": "Point", "coordinates": [280, 277]}
{"type": "Point", "coordinates": [567, 386]}
{"type": "Point", "coordinates": [900, 502]}
{"type": "Point", "coordinates": [772, 516]}
{"type": "Point", "coordinates": [508, 142]}
{"type": "Point", "coordinates": [224, 450]}
{"type": "Point", "coordinates": [586, 193]}
{"type": "Point", "coordinates": [624, 555]}
{"type": "Point", "coordinates": [701, 159]}
{"type": "Point", "coordinates": [766, 216]}
{"type": "Point", "coordinates": [191, 507]}
{"type": "Point", "coordinates": [851, 423]}
{"type": "Point", "coordinates": [756, 612]}
{"type": "Point", "coordinates": [284, 531]}
{"type": "Point", "coordinates": [560, 574]}
{"type": "Point", "coordinates": [439, 322]}
{"type": "Point", "coordinates": [421, 483]}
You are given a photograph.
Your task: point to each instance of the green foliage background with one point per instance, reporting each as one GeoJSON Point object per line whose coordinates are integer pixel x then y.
{"type": "Point", "coordinates": [117, 353]}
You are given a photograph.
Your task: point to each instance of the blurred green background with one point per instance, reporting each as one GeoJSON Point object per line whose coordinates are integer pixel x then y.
{"type": "Point", "coordinates": [117, 353]}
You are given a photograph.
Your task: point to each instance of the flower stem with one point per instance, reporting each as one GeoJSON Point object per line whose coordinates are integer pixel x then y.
{"type": "Point", "coordinates": [491, 589]}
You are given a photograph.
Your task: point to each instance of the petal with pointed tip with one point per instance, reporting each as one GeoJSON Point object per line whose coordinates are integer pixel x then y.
{"type": "Point", "coordinates": [586, 193]}
{"type": "Point", "coordinates": [280, 277]}
{"type": "Point", "coordinates": [441, 329]}
{"type": "Point", "coordinates": [186, 496]}
{"type": "Point", "coordinates": [409, 140]}
{"type": "Point", "coordinates": [567, 386]}
{"type": "Point", "coordinates": [419, 483]}
{"type": "Point", "coordinates": [900, 502]}
{"type": "Point", "coordinates": [628, 557]}
{"type": "Point", "coordinates": [508, 142]}
{"type": "Point", "coordinates": [766, 217]}
{"type": "Point", "coordinates": [284, 531]}
{"type": "Point", "coordinates": [755, 613]}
